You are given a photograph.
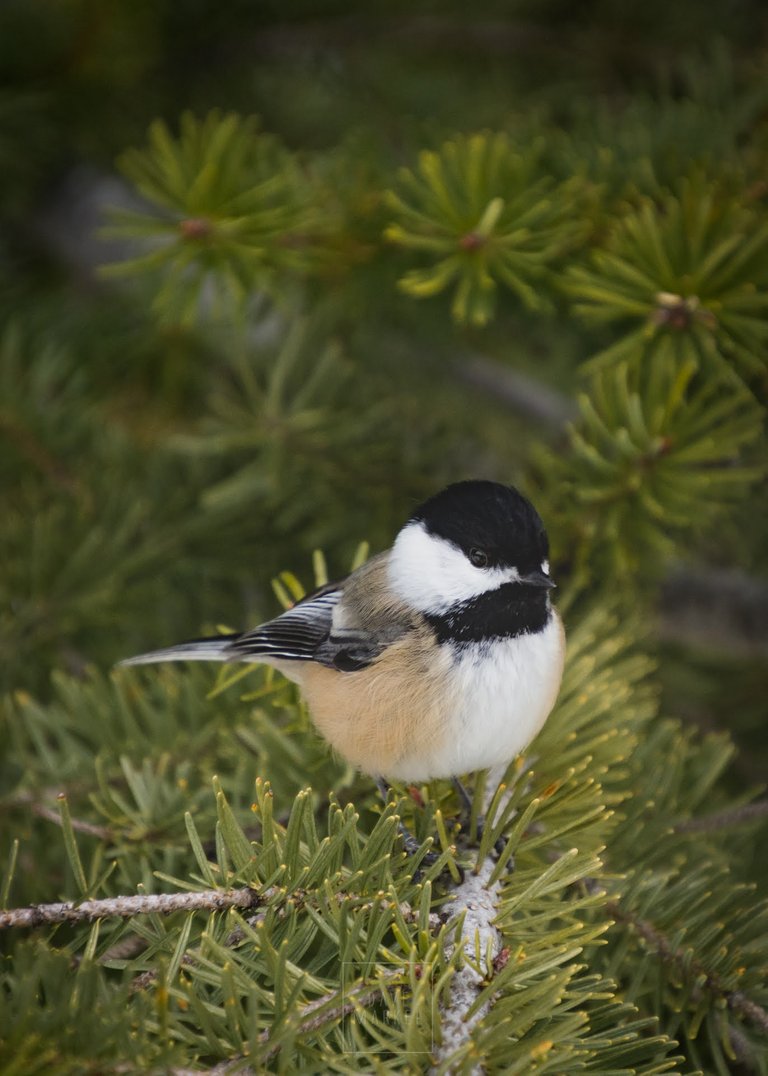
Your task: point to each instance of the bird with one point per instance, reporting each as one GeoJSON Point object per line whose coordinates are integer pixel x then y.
{"type": "Point", "coordinates": [437, 658]}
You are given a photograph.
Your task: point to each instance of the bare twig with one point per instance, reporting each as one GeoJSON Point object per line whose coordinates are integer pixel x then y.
{"type": "Point", "coordinates": [34, 800]}
{"type": "Point", "coordinates": [125, 907]}
{"type": "Point", "coordinates": [29, 446]}
{"type": "Point", "coordinates": [741, 1047]}
{"type": "Point", "coordinates": [29, 797]}
{"type": "Point", "coordinates": [478, 899]}
{"type": "Point", "coordinates": [347, 1002]}
{"type": "Point", "coordinates": [125, 949]}
{"type": "Point", "coordinates": [521, 393]}
{"type": "Point", "coordinates": [146, 978]}
{"type": "Point", "coordinates": [721, 609]}
{"type": "Point", "coordinates": [732, 816]}
{"type": "Point", "coordinates": [660, 944]}
{"type": "Point", "coordinates": [92, 830]}
{"type": "Point", "coordinates": [313, 1016]}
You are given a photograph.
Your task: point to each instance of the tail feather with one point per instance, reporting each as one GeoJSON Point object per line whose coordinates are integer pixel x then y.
{"type": "Point", "coordinates": [215, 649]}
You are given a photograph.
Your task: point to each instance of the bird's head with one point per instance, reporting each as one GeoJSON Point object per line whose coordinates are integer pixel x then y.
{"type": "Point", "coordinates": [470, 539]}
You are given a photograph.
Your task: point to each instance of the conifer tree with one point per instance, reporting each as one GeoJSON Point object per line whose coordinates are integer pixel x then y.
{"type": "Point", "coordinates": [290, 346]}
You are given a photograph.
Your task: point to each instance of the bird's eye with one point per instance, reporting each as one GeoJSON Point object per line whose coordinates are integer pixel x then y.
{"type": "Point", "coordinates": [479, 558]}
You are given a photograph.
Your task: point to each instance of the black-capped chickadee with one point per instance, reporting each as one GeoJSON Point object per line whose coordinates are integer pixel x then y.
{"type": "Point", "coordinates": [439, 657]}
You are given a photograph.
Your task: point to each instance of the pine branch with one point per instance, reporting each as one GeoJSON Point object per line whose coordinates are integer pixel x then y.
{"type": "Point", "coordinates": [732, 816]}
{"type": "Point", "coordinates": [32, 449]}
{"type": "Point", "coordinates": [526, 395]}
{"type": "Point", "coordinates": [660, 944]}
{"type": "Point", "coordinates": [124, 907]}
{"type": "Point", "coordinates": [234, 938]}
{"type": "Point", "coordinates": [714, 607]}
{"type": "Point", "coordinates": [313, 1016]}
{"type": "Point", "coordinates": [479, 901]}
{"type": "Point", "coordinates": [125, 949]}
{"type": "Point", "coordinates": [89, 828]}
{"type": "Point", "coordinates": [741, 1046]}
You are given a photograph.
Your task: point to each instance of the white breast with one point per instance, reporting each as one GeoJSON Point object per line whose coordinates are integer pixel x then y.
{"type": "Point", "coordinates": [499, 694]}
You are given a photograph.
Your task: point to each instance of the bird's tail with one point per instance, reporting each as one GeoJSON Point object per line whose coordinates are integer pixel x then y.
{"type": "Point", "coordinates": [214, 649]}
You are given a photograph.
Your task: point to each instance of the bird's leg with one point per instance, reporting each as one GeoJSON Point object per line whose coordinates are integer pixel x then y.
{"type": "Point", "coordinates": [384, 789]}
{"type": "Point", "coordinates": [464, 796]}
{"type": "Point", "coordinates": [410, 843]}
{"type": "Point", "coordinates": [466, 814]}
{"type": "Point", "coordinates": [467, 802]}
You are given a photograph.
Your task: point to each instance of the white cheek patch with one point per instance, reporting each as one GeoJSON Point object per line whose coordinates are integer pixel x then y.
{"type": "Point", "coordinates": [432, 575]}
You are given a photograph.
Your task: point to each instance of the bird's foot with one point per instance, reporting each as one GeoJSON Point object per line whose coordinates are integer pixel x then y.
{"type": "Point", "coordinates": [412, 846]}
{"type": "Point", "coordinates": [466, 818]}
{"type": "Point", "coordinates": [498, 845]}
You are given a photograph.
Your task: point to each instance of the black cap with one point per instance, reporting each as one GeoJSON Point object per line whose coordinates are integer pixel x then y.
{"type": "Point", "coordinates": [487, 516]}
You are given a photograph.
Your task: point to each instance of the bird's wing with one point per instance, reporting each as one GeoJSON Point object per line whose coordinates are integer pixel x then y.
{"type": "Point", "coordinates": [295, 635]}
{"type": "Point", "coordinates": [332, 626]}
{"type": "Point", "coordinates": [338, 626]}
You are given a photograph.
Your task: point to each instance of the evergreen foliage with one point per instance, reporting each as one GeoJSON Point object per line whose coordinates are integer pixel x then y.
{"type": "Point", "coordinates": [657, 453]}
{"type": "Point", "coordinates": [692, 269]}
{"type": "Point", "coordinates": [250, 380]}
{"type": "Point", "coordinates": [489, 214]}
{"type": "Point", "coordinates": [231, 212]}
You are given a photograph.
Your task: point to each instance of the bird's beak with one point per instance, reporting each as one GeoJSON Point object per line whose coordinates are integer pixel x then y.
{"type": "Point", "coordinates": [537, 578]}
